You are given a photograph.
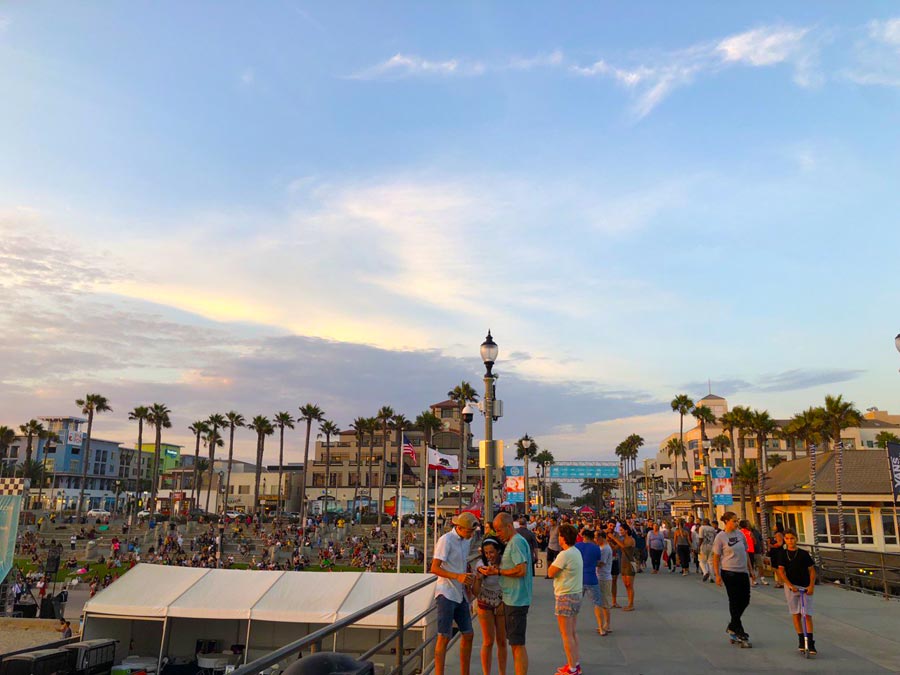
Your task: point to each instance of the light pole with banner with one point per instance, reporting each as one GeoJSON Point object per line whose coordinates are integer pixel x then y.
{"type": "Point", "coordinates": [489, 352]}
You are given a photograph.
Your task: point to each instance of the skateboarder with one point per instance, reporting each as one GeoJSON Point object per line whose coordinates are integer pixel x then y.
{"type": "Point", "coordinates": [732, 568]}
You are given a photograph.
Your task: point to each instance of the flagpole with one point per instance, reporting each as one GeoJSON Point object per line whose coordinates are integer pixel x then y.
{"type": "Point", "coordinates": [398, 508]}
{"type": "Point", "coordinates": [434, 542]}
{"type": "Point", "coordinates": [425, 459]}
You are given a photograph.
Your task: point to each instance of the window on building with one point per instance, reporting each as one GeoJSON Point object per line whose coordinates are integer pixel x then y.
{"type": "Point", "coordinates": [889, 525]}
{"type": "Point", "coordinates": [352, 481]}
{"type": "Point", "coordinates": [684, 465]}
{"type": "Point", "coordinates": [870, 444]}
{"type": "Point", "coordinates": [75, 465]}
{"type": "Point", "coordinates": [243, 489]}
{"type": "Point", "coordinates": [447, 413]}
{"type": "Point", "coordinates": [750, 442]}
{"type": "Point", "coordinates": [318, 480]}
{"type": "Point", "coordinates": [857, 526]}
{"type": "Point", "coordinates": [333, 481]}
{"type": "Point", "coordinates": [692, 445]}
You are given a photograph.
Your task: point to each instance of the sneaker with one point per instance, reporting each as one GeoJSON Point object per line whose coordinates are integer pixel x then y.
{"type": "Point", "coordinates": [564, 670]}
{"type": "Point", "coordinates": [706, 576]}
{"type": "Point", "coordinates": [812, 648]}
{"type": "Point", "coordinates": [764, 582]}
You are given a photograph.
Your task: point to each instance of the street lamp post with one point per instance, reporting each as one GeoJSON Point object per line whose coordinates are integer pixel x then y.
{"type": "Point", "coordinates": [489, 351]}
{"type": "Point", "coordinates": [546, 488]}
{"type": "Point", "coordinates": [526, 443]}
{"type": "Point", "coordinates": [705, 442]}
{"type": "Point", "coordinates": [468, 413]}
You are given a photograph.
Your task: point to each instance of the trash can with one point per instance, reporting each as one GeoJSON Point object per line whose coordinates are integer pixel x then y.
{"type": "Point", "coordinates": [326, 663]}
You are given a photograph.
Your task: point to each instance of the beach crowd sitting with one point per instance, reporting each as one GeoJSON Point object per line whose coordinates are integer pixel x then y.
{"type": "Point", "coordinates": [585, 558]}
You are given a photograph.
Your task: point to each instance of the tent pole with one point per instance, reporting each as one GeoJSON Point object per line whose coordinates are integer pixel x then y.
{"type": "Point", "coordinates": [247, 645]}
{"type": "Point", "coordinates": [162, 645]}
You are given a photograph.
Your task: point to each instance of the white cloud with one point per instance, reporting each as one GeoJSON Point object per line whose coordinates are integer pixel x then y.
{"type": "Point", "coordinates": [404, 65]}
{"type": "Point", "coordinates": [653, 81]}
{"type": "Point", "coordinates": [877, 55]}
{"type": "Point", "coordinates": [553, 59]}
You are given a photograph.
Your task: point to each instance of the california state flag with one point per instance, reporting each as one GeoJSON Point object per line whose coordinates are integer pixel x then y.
{"type": "Point", "coordinates": [438, 461]}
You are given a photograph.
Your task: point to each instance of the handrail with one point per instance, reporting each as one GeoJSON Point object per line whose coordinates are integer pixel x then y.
{"type": "Point", "coordinates": [254, 667]}
{"type": "Point", "coordinates": [840, 569]}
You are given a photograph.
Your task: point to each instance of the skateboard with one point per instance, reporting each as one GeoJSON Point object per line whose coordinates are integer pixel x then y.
{"type": "Point", "coordinates": [736, 639]}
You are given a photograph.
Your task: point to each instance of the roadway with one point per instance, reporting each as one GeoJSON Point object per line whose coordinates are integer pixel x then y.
{"type": "Point", "coordinates": [678, 627]}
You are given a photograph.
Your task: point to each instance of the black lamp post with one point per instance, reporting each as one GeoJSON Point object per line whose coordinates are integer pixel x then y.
{"type": "Point", "coordinates": [489, 351]}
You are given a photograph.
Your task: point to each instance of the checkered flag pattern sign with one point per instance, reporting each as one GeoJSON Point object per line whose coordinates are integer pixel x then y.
{"type": "Point", "coordinates": [13, 486]}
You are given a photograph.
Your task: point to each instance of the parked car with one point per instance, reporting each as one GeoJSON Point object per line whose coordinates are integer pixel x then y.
{"type": "Point", "coordinates": [143, 514]}
{"type": "Point", "coordinates": [98, 513]}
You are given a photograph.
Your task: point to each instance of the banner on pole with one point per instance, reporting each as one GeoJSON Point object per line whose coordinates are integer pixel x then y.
{"type": "Point", "coordinates": [514, 485]}
{"type": "Point", "coordinates": [893, 451]}
{"type": "Point", "coordinates": [12, 497]}
{"type": "Point", "coordinates": [721, 485]}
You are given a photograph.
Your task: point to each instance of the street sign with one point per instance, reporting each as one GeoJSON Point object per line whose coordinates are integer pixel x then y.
{"type": "Point", "coordinates": [584, 471]}
{"type": "Point", "coordinates": [721, 485]}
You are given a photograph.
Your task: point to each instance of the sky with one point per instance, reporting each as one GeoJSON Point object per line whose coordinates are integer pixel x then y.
{"type": "Point", "coordinates": [221, 206]}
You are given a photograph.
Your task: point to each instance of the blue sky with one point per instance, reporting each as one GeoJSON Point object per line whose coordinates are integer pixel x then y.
{"type": "Point", "coordinates": [221, 207]}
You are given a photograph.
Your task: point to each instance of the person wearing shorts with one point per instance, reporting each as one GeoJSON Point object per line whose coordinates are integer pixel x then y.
{"type": "Point", "coordinates": [516, 584]}
{"type": "Point", "coordinates": [489, 598]}
{"type": "Point", "coordinates": [798, 570]}
{"type": "Point", "coordinates": [604, 579]}
{"type": "Point", "coordinates": [451, 566]}
{"type": "Point", "coordinates": [567, 572]}
{"type": "Point", "coordinates": [592, 558]}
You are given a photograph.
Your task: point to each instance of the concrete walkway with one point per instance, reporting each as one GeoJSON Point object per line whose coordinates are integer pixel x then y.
{"type": "Point", "coordinates": [679, 623]}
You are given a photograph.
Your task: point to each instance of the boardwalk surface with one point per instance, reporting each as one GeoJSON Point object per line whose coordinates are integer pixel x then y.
{"type": "Point", "coordinates": [678, 627]}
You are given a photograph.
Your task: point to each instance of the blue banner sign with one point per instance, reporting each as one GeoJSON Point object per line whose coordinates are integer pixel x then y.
{"type": "Point", "coordinates": [721, 485]}
{"type": "Point", "coordinates": [12, 497]}
{"type": "Point", "coordinates": [583, 471]}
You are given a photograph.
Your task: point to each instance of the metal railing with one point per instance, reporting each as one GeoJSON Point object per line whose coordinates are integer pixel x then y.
{"type": "Point", "coordinates": [872, 572]}
{"type": "Point", "coordinates": [314, 640]}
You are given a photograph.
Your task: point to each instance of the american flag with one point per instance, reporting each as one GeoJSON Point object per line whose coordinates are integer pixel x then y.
{"type": "Point", "coordinates": [409, 451]}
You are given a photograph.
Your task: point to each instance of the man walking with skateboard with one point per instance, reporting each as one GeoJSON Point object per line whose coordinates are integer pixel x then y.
{"type": "Point", "coordinates": [732, 568]}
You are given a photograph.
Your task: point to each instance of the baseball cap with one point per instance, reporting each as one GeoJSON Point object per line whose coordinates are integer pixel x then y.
{"type": "Point", "coordinates": [466, 519]}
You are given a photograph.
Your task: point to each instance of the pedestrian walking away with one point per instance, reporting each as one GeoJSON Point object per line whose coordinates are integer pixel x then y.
{"type": "Point", "coordinates": [706, 534]}
{"type": "Point", "coordinates": [451, 566]}
{"type": "Point", "coordinates": [732, 567]}
{"type": "Point", "coordinates": [567, 573]}
{"type": "Point", "coordinates": [797, 568]}
{"type": "Point", "coordinates": [656, 544]}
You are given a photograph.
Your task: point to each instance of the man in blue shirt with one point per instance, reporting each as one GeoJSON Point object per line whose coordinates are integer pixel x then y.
{"type": "Point", "coordinates": [516, 582]}
{"type": "Point", "coordinates": [591, 555]}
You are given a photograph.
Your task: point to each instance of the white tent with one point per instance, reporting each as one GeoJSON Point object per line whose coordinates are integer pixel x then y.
{"type": "Point", "coordinates": [259, 609]}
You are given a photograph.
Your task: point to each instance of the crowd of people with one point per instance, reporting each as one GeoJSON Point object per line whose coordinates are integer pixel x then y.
{"type": "Point", "coordinates": [585, 557]}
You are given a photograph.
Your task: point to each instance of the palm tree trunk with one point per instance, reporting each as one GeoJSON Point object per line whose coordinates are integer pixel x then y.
{"type": "Point", "coordinates": [733, 458]}
{"type": "Point", "coordinates": [278, 511]}
{"type": "Point", "coordinates": [214, 437]}
{"type": "Point", "coordinates": [194, 493]}
{"type": "Point", "coordinates": [84, 464]}
{"type": "Point", "coordinates": [793, 448]}
{"type": "Point", "coordinates": [306, 476]}
{"type": "Point", "coordinates": [155, 474]}
{"type": "Point", "coordinates": [371, 467]}
{"type": "Point", "coordinates": [228, 472]}
{"type": "Point", "coordinates": [358, 477]}
{"type": "Point", "coordinates": [761, 489]}
{"type": "Point", "coordinates": [384, 441]}
{"type": "Point", "coordinates": [327, 470]}
{"type": "Point", "coordinates": [812, 503]}
{"type": "Point", "coordinates": [839, 493]}
{"type": "Point", "coordinates": [259, 454]}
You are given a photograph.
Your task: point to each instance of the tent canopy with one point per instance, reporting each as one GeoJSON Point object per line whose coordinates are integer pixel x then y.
{"type": "Point", "coordinates": [158, 591]}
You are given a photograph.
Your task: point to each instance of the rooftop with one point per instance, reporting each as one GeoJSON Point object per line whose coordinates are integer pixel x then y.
{"type": "Point", "coordinates": [865, 472]}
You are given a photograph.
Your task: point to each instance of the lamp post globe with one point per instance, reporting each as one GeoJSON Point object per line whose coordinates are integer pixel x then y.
{"type": "Point", "coordinates": [526, 442]}
{"type": "Point", "coordinates": [897, 342]}
{"type": "Point", "coordinates": [489, 352]}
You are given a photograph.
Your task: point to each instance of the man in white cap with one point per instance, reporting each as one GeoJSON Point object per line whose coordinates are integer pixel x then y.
{"type": "Point", "coordinates": [451, 565]}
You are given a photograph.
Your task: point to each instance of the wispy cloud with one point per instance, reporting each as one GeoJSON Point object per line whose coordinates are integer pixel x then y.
{"type": "Point", "coordinates": [789, 380]}
{"type": "Point", "coordinates": [877, 55]}
{"type": "Point", "coordinates": [652, 81]}
{"type": "Point", "coordinates": [406, 65]}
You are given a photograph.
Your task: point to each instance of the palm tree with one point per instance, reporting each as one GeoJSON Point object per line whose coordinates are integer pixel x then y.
{"type": "Point", "coordinates": [329, 429]}
{"type": "Point", "coordinates": [774, 460]}
{"type": "Point", "coordinates": [139, 415]}
{"type": "Point", "coordinates": [309, 413]}
{"type": "Point", "coordinates": [384, 416]}
{"type": "Point", "coordinates": [400, 423]}
{"type": "Point", "coordinates": [633, 443]}
{"type": "Point", "coordinates": [525, 454]}
{"type": "Point", "coordinates": [721, 444]}
{"type": "Point", "coordinates": [7, 436]}
{"type": "Point", "coordinates": [463, 393]}
{"type": "Point", "coordinates": [90, 405]}
{"type": "Point", "coordinates": [263, 427]}
{"type": "Point", "coordinates": [159, 420]}
{"type": "Point", "coordinates": [30, 429]}
{"type": "Point", "coordinates": [682, 404]}
{"type": "Point", "coordinates": [789, 434]}
{"type": "Point", "coordinates": [215, 422]}
{"type": "Point", "coordinates": [234, 419]}
{"type": "Point", "coordinates": [359, 426]}
{"type": "Point", "coordinates": [544, 456]}
{"type": "Point", "coordinates": [282, 420]}
{"type": "Point", "coordinates": [885, 437]}
{"type": "Point", "coordinates": [212, 440]}
{"type": "Point", "coordinates": [46, 436]}
{"type": "Point", "coordinates": [807, 427]}
{"type": "Point", "coordinates": [371, 428]}
{"type": "Point", "coordinates": [730, 422]}
{"type": "Point", "coordinates": [675, 448]}
{"type": "Point", "coordinates": [198, 428]}
{"type": "Point", "coordinates": [839, 415]}
{"type": "Point", "coordinates": [763, 426]}
{"type": "Point", "coordinates": [746, 479]}
{"type": "Point", "coordinates": [741, 415]}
